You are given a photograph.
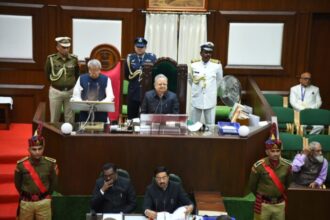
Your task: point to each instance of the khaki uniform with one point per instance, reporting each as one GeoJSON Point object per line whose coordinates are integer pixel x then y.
{"type": "Point", "coordinates": [62, 75]}
{"type": "Point", "coordinates": [33, 203]}
{"type": "Point", "coordinates": [261, 184]}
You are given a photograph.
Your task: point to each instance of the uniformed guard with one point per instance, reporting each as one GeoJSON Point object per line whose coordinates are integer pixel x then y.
{"type": "Point", "coordinates": [269, 179]}
{"type": "Point", "coordinates": [35, 180]}
{"type": "Point", "coordinates": [204, 79]}
{"type": "Point", "coordinates": [133, 71]}
{"type": "Point", "coordinates": [62, 70]}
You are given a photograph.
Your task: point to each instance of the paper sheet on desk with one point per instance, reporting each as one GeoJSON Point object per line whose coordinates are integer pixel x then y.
{"type": "Point", "coordinates": [211, 213]}
{"type": "Point", "coordinates": [178, 214]}
{"type": "Point", "coordinates": [112, 216]}
{"type": "Point", "coordinates": [195, 127]}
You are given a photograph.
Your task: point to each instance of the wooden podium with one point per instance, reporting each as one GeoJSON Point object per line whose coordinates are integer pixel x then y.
{"type": "Point", "coordinates": [209, 203]}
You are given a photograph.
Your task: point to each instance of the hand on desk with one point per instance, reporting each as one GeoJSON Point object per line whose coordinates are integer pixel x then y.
{"type": "Point", "coordinates": [189, 209]}
{"type": "Point", "coordinates": [150, 214]}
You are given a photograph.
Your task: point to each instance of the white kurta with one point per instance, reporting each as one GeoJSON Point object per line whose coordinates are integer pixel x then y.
{"type": "Point", "coordinates": [204, 93]}
{"type": "Point", "coordinates": [307, 98]}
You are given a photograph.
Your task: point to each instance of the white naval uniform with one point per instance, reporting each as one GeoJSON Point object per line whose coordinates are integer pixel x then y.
{"type": "Point", "coordinates": [204, 92]}
{"type": "Point", "coordinates": [306, 97]}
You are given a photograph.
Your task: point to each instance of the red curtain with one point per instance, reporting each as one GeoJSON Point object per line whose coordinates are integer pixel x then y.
{"type": "Point", "coordinates": [114, 76]}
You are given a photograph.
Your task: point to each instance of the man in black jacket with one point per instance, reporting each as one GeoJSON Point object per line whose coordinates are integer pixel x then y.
{"type": "Point", "coordinates": [112, 193]}
{"type": "Point", "coordinates": [164, 195]}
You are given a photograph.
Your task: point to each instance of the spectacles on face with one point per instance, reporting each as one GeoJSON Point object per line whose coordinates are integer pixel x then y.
{"type": "Point", "coordinates": [306, 78]}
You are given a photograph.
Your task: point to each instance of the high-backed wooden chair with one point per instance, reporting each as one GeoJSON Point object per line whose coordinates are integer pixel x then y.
{"type": "Point", "coordinates": [112, 64]}
{"type": "Point", "coordinates": [176, 74]}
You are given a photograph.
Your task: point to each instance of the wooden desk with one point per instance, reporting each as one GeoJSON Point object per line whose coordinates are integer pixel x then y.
{"type": "Point", "coordinates": [210, 201]}
{"type": "Point", "coordinates": [308, 204]}
{"type": "Point", "coordinates": [205, 163]}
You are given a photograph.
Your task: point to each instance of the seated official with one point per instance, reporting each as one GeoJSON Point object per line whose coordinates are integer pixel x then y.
{"type": "Point", "coordinates": [310, 168]}
{"type": "Point", "coordinates": [112, 193]}
{"type": "Point", "coordinates": [93, 86]}
{"type": "Point", "coordinates": [164, 195]}
{"type": "Point", "coordinates": [160, 100]}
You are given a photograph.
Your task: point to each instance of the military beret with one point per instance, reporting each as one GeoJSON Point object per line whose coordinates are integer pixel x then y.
{"type": "Point", "coordinates": [140, 42]}
{"type": "Point", "coordinates": [207, 46]}
{"type": "Point", "coordinates": [273, 144]}
{"type": "Point", "coordinates": [64, 41]}
{"type": "Point", "coordinates": [36, 141]}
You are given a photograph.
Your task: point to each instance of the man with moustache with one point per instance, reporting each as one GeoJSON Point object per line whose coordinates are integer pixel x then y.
{"type": "Point", "coordinates": [35, 181]}
{"type": "Point", "coordinates": [112, 193]}
{"type": "Point", "coordinates": [310, 168]}
{"type": "Point", "coordinates": [133, 73]}
{"type": "Point", "coordinates": [160, 100]}
{"type": "Point", "coordinates": [269, 180]}
{"type": "Point", "coordinates": [62, 71]}
{"type": "Point", "coordinates": [204, 79]}
{"type": "Point", "coordinates": [164, 195]}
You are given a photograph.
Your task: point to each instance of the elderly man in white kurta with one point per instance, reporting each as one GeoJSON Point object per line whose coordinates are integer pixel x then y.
{"type": "Point", "coordinates": [305, 95]}
{"type": "Point", "coordinates": [204, 79]}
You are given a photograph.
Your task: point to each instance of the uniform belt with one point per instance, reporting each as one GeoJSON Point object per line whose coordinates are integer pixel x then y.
{"type": "Point", "coordinates": [62, 88]}
{"type": "Point", "coordinates": [33, 197]}
{"type": "Point", "coordinates": [272, 200]}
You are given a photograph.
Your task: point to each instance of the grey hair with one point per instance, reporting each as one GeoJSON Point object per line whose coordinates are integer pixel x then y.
{"type": "Point", "coordinates": [312, 145]}
{"type": "Point", "coordinates": [159, 76]}
{"type": "Point", "coordinates": [94, 62]}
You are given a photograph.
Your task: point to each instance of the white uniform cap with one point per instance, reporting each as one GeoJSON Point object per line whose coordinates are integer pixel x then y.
{"type": "Point", "coordinates": [64, 41]}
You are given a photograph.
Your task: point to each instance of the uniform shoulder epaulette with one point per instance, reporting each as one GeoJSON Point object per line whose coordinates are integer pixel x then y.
{"type": "Point", "coordinates": [23, 159]}
{"type": "Point", "coordinates": [215, 61]}
{"type": "Point", "coordinates": [195, 60]}
{"type": "Point", "coordinates": [52, 55]}
{"type": "Point", "coordinates": [51, 159]}
{"type": "Point", "coordinates": [259, 162]}
{"type": "Point", "coordinates": [286, 161]}
{"type": "Point", "coordinates": [75, 56]}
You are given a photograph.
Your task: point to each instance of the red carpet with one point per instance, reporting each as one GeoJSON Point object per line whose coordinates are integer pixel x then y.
{"type": "Point", "coordinates": [13, 146]}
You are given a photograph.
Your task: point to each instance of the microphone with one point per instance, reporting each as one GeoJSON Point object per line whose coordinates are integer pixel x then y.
{"type": "Point", "coordinates": [97, 92]}
{"type": "Point", "coordinates": [159, 104]}
{"type": "Point", "coordinates": [164, 203]}
{"type": "Point", "coordinates": [156, 200]}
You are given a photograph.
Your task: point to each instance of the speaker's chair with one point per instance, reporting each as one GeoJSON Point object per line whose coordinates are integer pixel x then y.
{"type": "Point", "coordinates": [176, 74]}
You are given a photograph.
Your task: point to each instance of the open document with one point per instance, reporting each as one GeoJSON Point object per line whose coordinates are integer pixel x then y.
{"type": "Point", "coordinates": [178, 214]}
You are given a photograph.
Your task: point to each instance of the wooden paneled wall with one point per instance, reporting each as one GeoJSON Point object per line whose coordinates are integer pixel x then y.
{"type": "Point", "coordinates": [306, 37]}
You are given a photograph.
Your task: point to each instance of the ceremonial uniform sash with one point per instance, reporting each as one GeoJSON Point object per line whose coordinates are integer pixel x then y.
{"type": "Point", "coordinates": [34, 175]}
{"type": "Point", "coordinates": [276, 180]}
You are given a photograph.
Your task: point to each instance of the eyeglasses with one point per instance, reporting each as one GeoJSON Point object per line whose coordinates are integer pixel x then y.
{"type": "Point", "coordinates": [306, 78]}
